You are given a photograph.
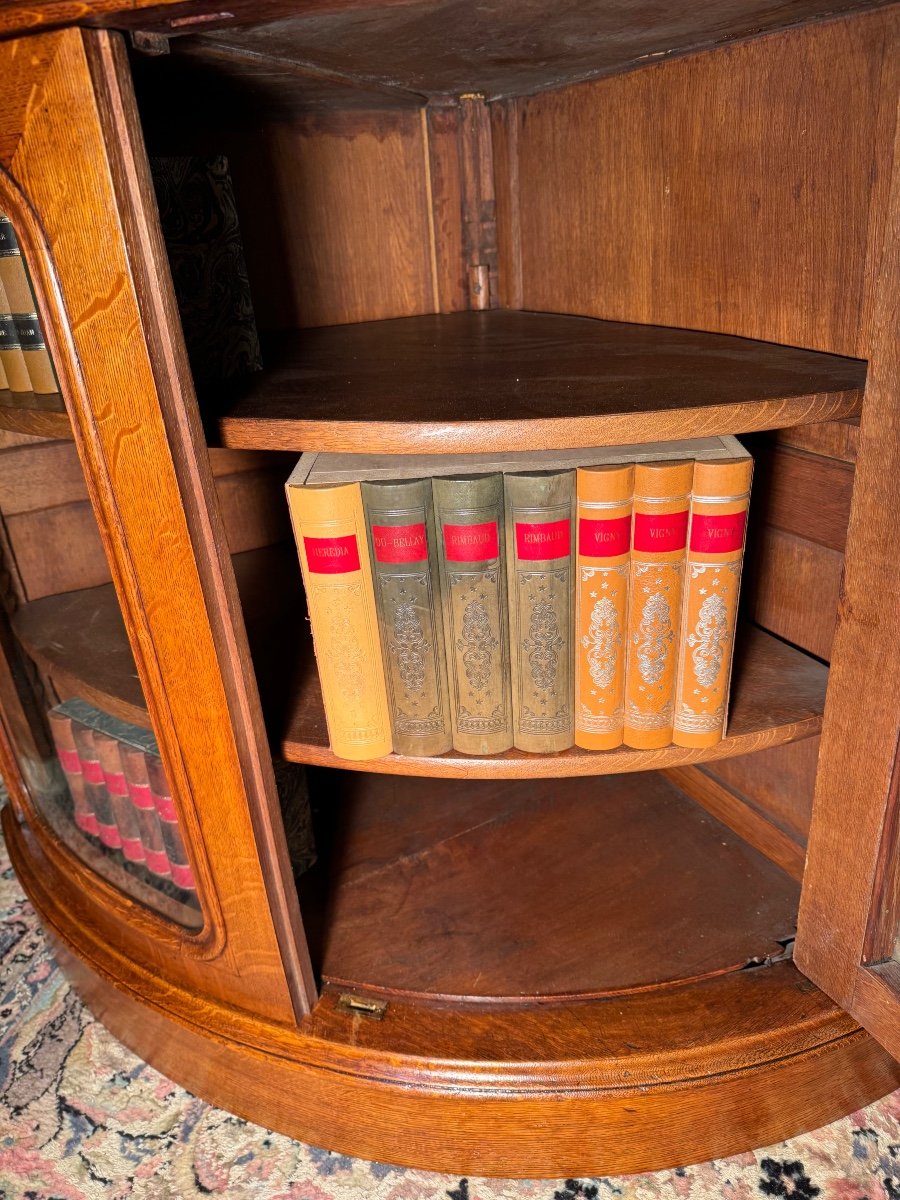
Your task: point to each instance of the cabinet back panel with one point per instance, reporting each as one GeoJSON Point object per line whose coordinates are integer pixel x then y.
{"type": "Point", "coordinates": [728, 191]}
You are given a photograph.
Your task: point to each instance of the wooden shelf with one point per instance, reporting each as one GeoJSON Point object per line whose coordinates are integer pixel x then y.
{"type": "Point", "coordinates": [42, 416]}
{"type": "Point", "coordinates": [479, 382]}
{"type": "Point", "coordinates": [568, 871]}
{"type": "Point", "coordinates": [778, 693]}
{"type": "Point", "coordinates": [778, 696]}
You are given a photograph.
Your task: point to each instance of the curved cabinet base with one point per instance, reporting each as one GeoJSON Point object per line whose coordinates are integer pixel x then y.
{"type": "Point", "coordinates": [656, 1079]}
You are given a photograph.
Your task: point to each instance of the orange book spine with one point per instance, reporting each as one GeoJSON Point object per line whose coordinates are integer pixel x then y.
{"type": "Point", "coordinates": [716, 541]}
{"type": "Point", "coordinates": [330, 530]}
{"type": "Point", "coordinates": [659, 540]}
{"type": "Point", "coordinates": [604, 509]}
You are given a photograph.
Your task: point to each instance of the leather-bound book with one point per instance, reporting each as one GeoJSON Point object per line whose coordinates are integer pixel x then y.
{"type": "Point", "coordinates": [19, 294]}
{"type": "Point", "coordinates": [330, 531]}
{"type": "Point", "coordinates": [95, 786]}
{"type": "Point", "coordinates": [64, 740]}
{"type": "Point", "coordinates": [4, 382]}
{"type": "Point", "coordinates": [11, 356]}
{"type": "Point", "coordinates": [179, 863]}
{"type": "Point", "coordinates": [400, 527]}
{"type": "Point", "coordinates": [659, 539]}
{"type": "Point", "coordinates": [468, 517]}
{"type": "Point", "coordinates": [721, 496]}
{"type": "Point", "coordinates": [134, 768]}
{"type": "Point", "coordinates": [108, 751]}
{"type": "Point", "coordinates": [604, 507]}
{"type": "Point", "coordinates": [540, 515]}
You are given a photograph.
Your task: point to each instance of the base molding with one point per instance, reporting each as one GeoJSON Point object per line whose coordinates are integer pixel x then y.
{"type": "Point", "coordinates": [652, 1080]}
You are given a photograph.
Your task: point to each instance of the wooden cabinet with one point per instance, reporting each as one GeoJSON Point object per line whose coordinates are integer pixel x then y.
{"type": "Point", "coordinates": [459, 239]}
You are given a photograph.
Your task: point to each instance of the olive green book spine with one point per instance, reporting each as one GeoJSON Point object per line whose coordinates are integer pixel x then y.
{"type": "Point", "coordinates": [540, 519]}
{"type": "Point", "coordinates": [400, 530]}
{"type": "Point", "coordinates": [468, 516]}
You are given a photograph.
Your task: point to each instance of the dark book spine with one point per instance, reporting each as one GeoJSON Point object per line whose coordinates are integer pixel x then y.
{"type": "Point", "coordinates": [134, 768]}
{"type": "Point", "coordinates": [82, 805]}
{"type": "Point", "coordinates": [468, 513]}
{"type": "Point", "coordinates": [11, 356]}
{"type": "Point", "coordinates": [180, 866]}
{"type": "Point", "coordinates": [23, 310]}
{"type": "Point", "coordinates": [95, 786]}
{"type": "Point", "coordinates": [400, 529]}
{"type": "Point", "coordinates": [540, 513]}
{"type": "Point", "coordinates": [126, 816]}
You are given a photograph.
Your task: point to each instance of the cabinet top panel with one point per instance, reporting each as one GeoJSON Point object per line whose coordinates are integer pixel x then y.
{"type": "Point", "coordinates": [500, 381]}
{"type": "Point", "coordinates": [440, 47]}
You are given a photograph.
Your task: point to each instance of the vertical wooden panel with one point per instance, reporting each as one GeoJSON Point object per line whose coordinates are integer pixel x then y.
{"type": "Point", "coordinates": [334, 217]}
{"type": "Point", "coordinates": [726, 191]}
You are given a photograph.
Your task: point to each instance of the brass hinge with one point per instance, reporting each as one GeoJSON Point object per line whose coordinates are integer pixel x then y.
{"type": "Point", "coordinates": [363, 1004]}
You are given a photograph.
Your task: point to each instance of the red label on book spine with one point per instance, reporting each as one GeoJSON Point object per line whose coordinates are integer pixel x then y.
{"type": "Point", "coordinates": [71, 763]}
{"type": "Point", "coordinates": [332, 556]}
{"type": "Point", "coordinates": [544, 539]}
{"type": "Point", "coordinates": [141, 796]}
{"type": "Point", "coordinates": [110, 836]}
{"type": "Point", "coordinates": [92, 770]}
{"type": "Point", "coordinates": [165, 806]}
{"type": "Point", "coordinates": [157, 861]}
{"type": "Point", "coordinates": [718, 534]}
{"type": "Point", "coordinates": [604, 539]}
{"type": "Point", "coordinates": [471, 543]}
{"type": "Point", "coordinates": [87, 823]}
{"type": "Point", "coordinates": [400, 543]}
{"type": "Point", "coordinates": [183, 876]}
{"type": "Point", "coordinates": [661, 533]}
{"type": "Point", "coordinates": [133, 849]}
{"type": "Point", "coordinates": [116, 784]}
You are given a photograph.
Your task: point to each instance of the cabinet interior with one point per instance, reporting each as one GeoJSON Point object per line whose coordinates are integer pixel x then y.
{"type": "Point", "coordinates": [402, 176]}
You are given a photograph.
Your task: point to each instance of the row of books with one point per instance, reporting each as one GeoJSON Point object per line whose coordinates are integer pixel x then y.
{"type": "Point", "coordinates": [25, 364]}
{"type": "Point", "coordinates": [538, 601]}
{"type": "Point", "coordinates": [120, 796]}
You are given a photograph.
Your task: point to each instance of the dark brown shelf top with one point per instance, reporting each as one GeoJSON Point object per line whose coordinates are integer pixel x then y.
{"type": "Point", "coordinates": [417, 874]}
{"type": "Point", "coordinates": [498, 381]}
{"type": "Point", "coordinates": [778, 696]}
{"type": "Point", "coordinates": [42, 416]}
{"type": "Point", "coordinates": [79, 638]}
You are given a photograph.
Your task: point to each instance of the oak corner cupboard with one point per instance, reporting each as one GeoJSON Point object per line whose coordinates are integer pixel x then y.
{"type": "Point", "coordinates": [528, 228]}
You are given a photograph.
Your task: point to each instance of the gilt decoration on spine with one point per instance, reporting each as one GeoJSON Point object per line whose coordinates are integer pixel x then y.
{"type": "Point", "coordinates": [721, 497]}
{"type": "Point", "coordinates": [539, 519]}
{"type": "Point", "coordinates": [468, 514]}
{"type": "Point", "coordinates": [659, 539]}
{"type": "Point", "coordinates": [400, 528]}
{"type": "Point", "coordinates": [604, 504]}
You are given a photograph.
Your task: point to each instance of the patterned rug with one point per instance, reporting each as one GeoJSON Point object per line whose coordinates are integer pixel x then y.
{"type": "Point", "coordinates": [82, 1119]}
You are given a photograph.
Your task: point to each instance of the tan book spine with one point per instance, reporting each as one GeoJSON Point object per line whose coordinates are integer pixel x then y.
{"type": "Point", "coordinates": [468, 517]}
{"type": "Point", "coordinates": [330, 530]}
{"type": "Point", "coordinates": [22, 306]}
{"type": "Point", "coordinates": [658, 546]}
{"type": "Point", "coordinates": [11, 356]}
{"type": "Point", "coordinates": [4, 382]}
{"type": "Point", "coordinates": [540, 511]}
{"type": "Point", "coordinates": [716, 539]}
{"type": "Point", "coordinates": [604, 497]}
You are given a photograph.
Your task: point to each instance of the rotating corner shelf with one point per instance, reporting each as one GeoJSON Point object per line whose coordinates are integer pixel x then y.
{"type": "Point", "coordinates": [778, 693]}
{"type": "Point", "coordinates": [479, 382]}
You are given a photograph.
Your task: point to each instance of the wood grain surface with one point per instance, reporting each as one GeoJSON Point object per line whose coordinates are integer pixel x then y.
{"type": "Point", "coordinates": [496, 892]}
{"type": "Point", "coordinates": [729, 191]}
{"type": "Point", "coordinates": [471, 382]}
{"type": "Point", "coordinates": [671, 1076]}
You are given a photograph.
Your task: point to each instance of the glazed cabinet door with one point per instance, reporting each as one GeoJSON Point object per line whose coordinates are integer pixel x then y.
{"type": "Point", "coordinates": [144, 817]}
{"type": "Point", "coordinates": [848, 938]}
